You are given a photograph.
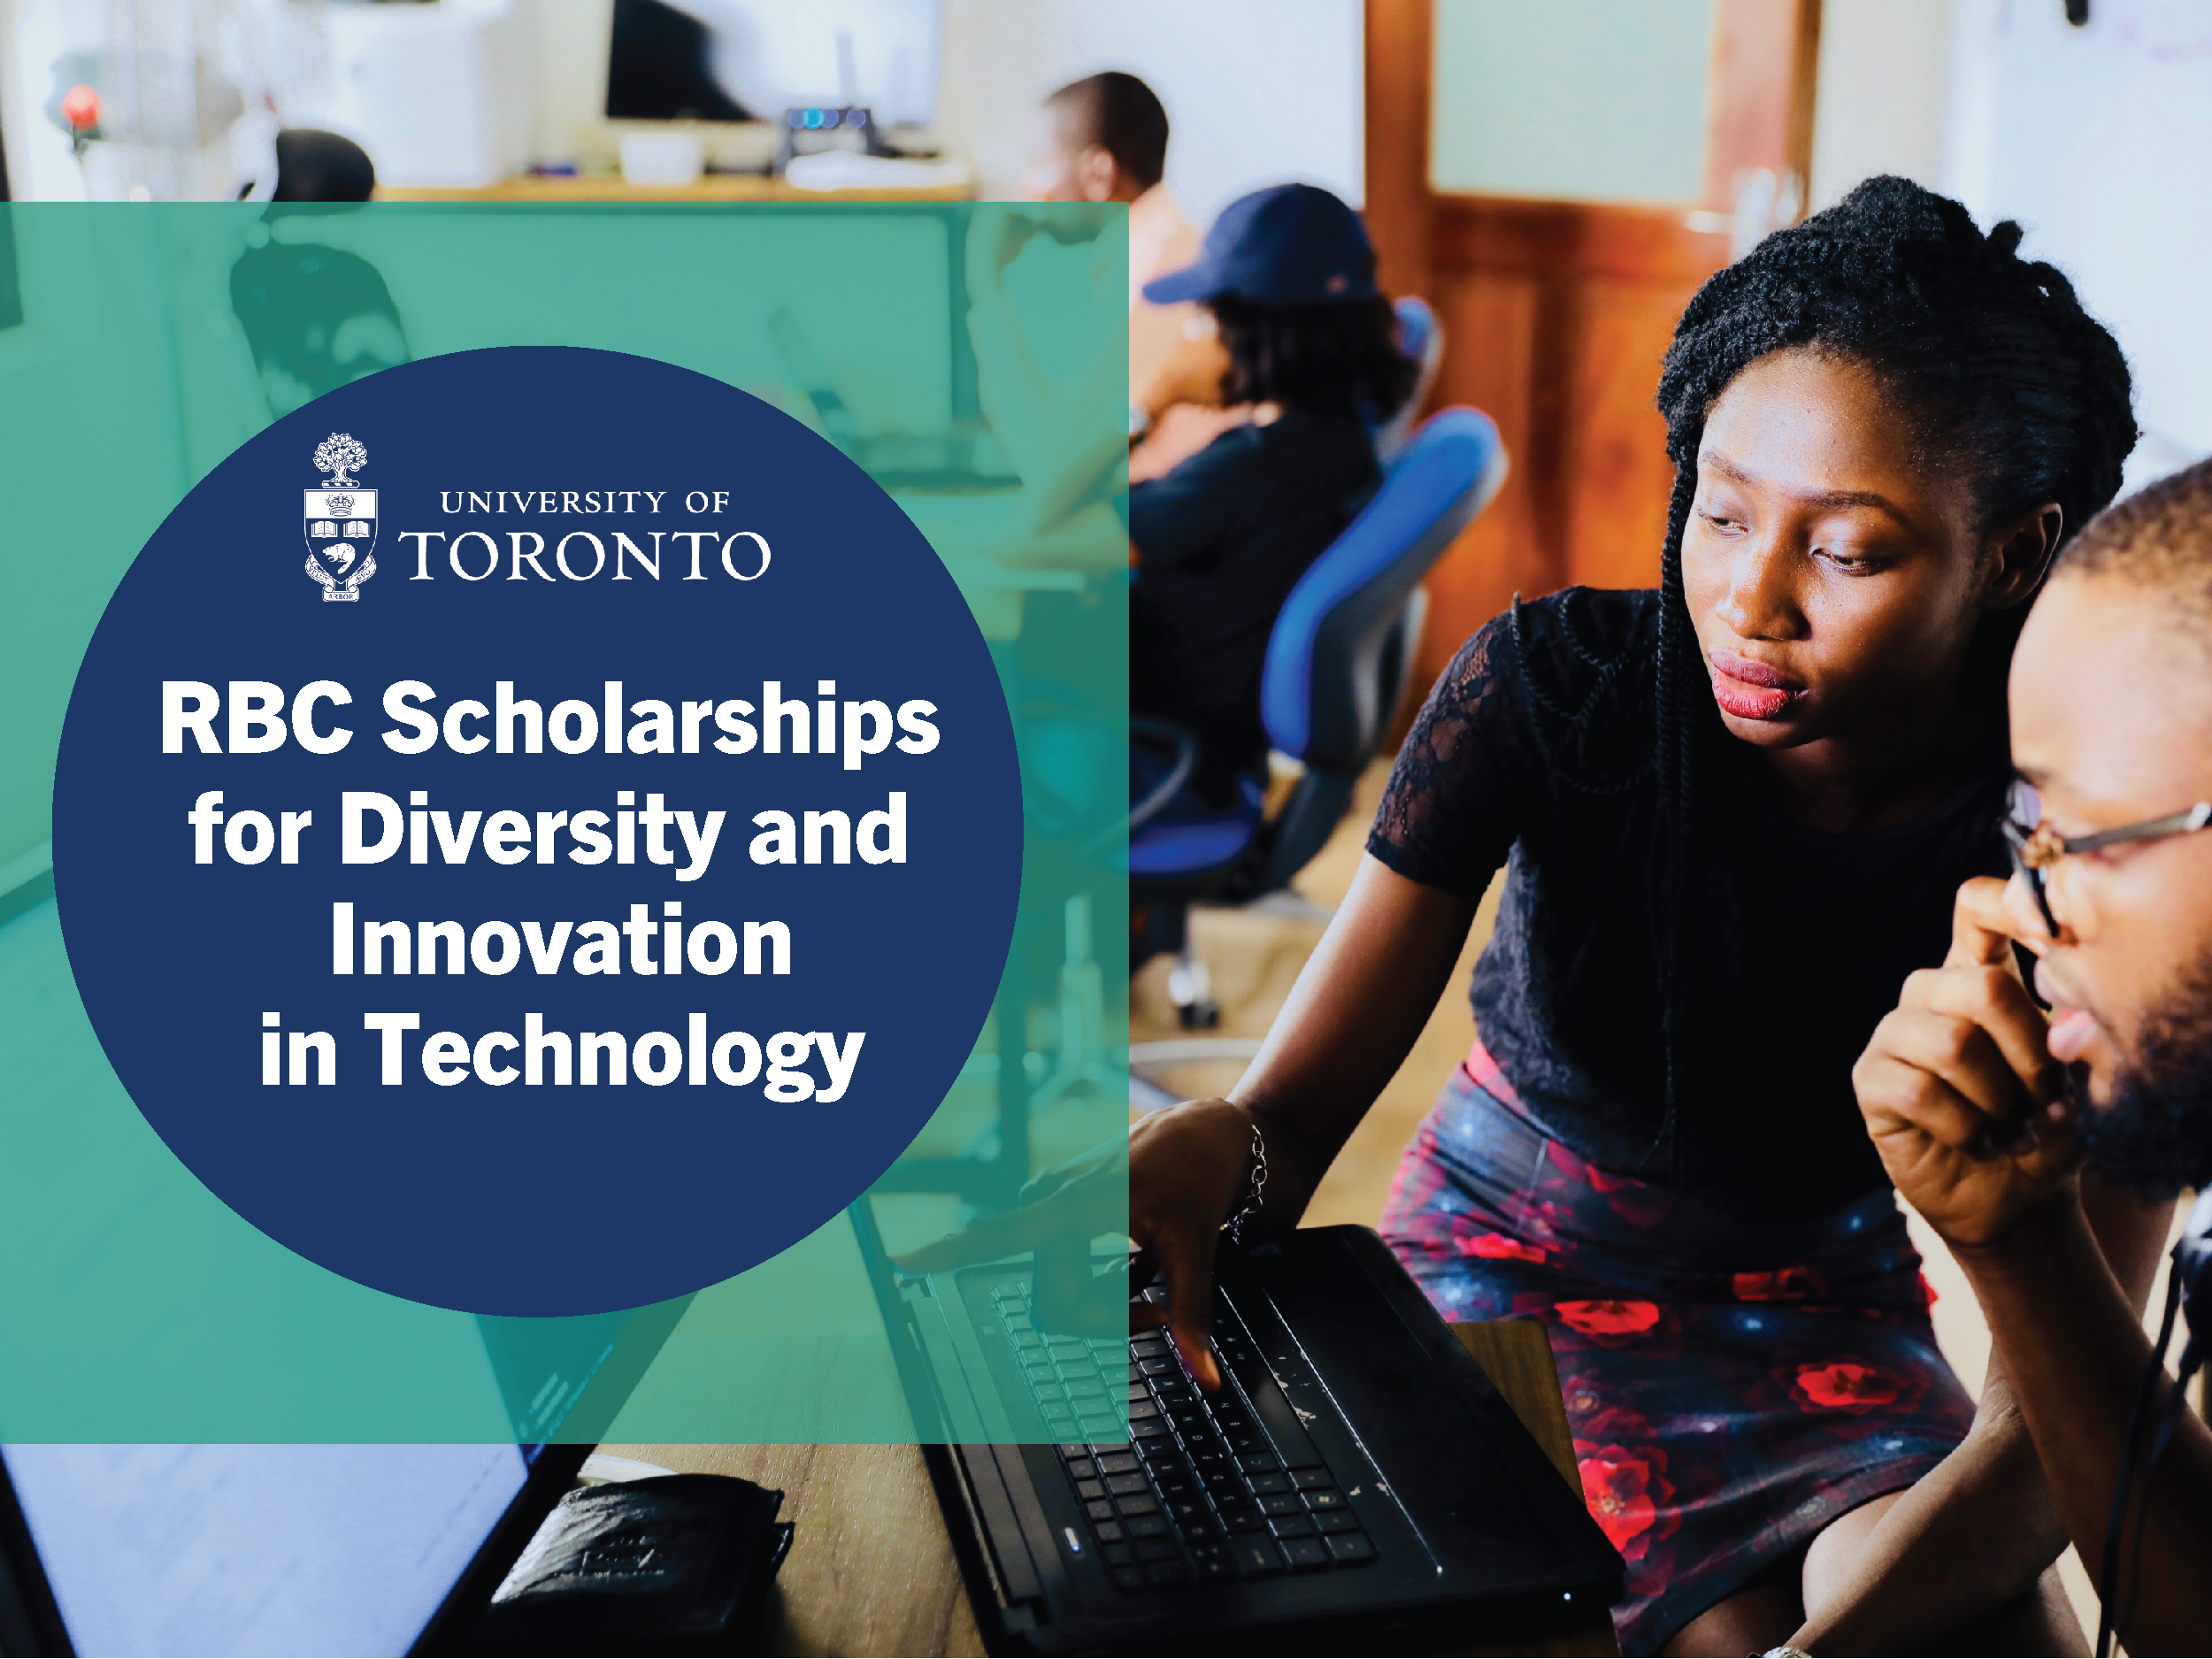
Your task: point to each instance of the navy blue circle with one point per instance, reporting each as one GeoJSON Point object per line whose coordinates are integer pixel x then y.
{"type": "Point", "coordinates": [517, 1199]}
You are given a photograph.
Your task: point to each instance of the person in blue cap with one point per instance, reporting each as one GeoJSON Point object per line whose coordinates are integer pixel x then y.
{"type": "Point", "coordinates": [1293, 335]}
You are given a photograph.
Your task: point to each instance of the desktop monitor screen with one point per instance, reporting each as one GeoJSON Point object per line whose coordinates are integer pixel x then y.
{"type": "Point", "coordinates": [751, 60]}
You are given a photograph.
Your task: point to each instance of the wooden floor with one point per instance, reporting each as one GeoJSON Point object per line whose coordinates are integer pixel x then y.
{"type": "Point", "coordinates": [1255, 957]}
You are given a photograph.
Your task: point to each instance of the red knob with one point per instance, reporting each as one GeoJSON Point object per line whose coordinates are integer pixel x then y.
{"type": "Point", "coordinates": [81, 107]}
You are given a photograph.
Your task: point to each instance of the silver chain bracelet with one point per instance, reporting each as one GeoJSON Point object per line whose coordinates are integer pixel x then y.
{"type": "Point", "coordinates": [1255, 1195]}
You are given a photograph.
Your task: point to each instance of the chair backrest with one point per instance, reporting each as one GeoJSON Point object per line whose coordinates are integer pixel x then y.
{"type": "Point", "coordinates": [1421, 337]}
{"type": "Point", "coordinates": [1335, 657]}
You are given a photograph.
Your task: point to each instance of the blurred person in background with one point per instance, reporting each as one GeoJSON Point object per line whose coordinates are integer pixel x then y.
{"type": "Point", "coordinates": [1104, 139]}
{"type": "Point", "coordinates": [1297, 337]}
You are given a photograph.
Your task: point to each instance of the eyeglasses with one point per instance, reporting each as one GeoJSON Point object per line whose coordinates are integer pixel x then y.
{"type": "Point", "coordinates": [2035, 846]}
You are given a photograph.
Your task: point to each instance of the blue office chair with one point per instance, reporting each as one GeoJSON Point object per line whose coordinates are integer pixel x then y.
{"type": "Point", "coordinates": [1421, 337]}
{"type": "Point", "coordinates": [1337, 664]}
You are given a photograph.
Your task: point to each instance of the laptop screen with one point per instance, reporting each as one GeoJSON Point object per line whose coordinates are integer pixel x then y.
{"type": "Point", "coordinates": [258, 1549]}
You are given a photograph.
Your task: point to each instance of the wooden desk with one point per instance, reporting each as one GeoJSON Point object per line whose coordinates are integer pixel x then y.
{"type": "Point", "coordinates": [872, 1569]}
{"type": "Point", "coordinates": [548, 190]}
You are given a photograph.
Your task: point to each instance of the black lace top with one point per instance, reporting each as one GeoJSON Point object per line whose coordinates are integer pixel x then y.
{"type": "Point", "coordinates": [1534, 751]}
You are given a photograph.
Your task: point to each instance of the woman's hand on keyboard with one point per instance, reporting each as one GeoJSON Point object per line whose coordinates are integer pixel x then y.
{"type": "Point", "coordinates": [1173, 1183]}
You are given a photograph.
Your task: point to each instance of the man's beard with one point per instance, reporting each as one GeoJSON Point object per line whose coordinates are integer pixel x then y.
{"type": "Point", "coordinates": [2153, 1137]}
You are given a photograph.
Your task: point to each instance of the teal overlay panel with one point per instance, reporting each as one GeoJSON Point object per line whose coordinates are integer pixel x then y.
{"type": "Point", "coordinates": [973, 359]}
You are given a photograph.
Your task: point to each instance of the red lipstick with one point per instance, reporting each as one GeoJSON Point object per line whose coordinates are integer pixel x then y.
{"type": "Point", "coordinates": [1751, 690]}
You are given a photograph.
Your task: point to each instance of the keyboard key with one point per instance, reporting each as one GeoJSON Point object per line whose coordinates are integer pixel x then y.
{"type": "Point", "coordinates": [1329, 1499]}
{"type": "Point", "coordinates": [1211, 1568]}
{"type": "Point", "coordinates": [1017, 1321]}
{"type": "Point", "coordinates": [1119, 1554]}
{"type": "Point", "coordinates": [1156, 1367]}
{"type": "Point", "coordinates": [1027, 1340]}
{"type": "Point", "coordinates": [1139, 1503]}
{"type": "Point", "coordinates": [1100, 1428]}
{"type": "Point", "coordinates": [1049, 1391]}
{"type": "Point", "coordinates": [1291, 1527]}
{"type": "Point", "coordinates": [1241, 1520]}
{"type": "Point", "coordinates": [1258, 1465]}
{"type": "Point", "coordinates": [1116, 1463]}
{"type": "Point", "coordinates": [1158, 1549]}
{"type": "Point", "coordinates": [1310, 1478]}
{"type": "Point", "coordinates": [1120, 1484]}
{"type": "Point", "coordinates": [1136, 1381]}
{"type": "Point", "coordinates": [1099, 1509]}
{"type": "Point", "coordinates": [1257, 1558]}
{"type": "Point", "coordinates": [1306, 1553]}
{"type": "Point", "coordinates": [1293, 1445]}
{"type": "Point", "coordinates": [1083, 1387]}
{"type": "Point", "coordinates": [1146, 1428]}
{"type": "Point", "coordinates": [1148, 1348]}
{"type": "Point", "coordinates": [1143, 1408]}
{"type": "Point", "coordinates": [1281, 1503]}
{"type": "Point", "coordinates": [1127, 1577]}
{"type": "Point", "coordinates": [1146, 1526]}
{"type": "Point", "coordinates": [1090, 1491]}
{"type": "Point", "coordinates": [1346, 1548]}
{"type": "Point", "coordinates": [1271, 1483]}
{"type": "Point", "coordinates": [1072, 1450]}
{"type": "Point", "coordinates": [1109, 1531]}
{"type": "Point", "coordinates": [1168, 1572]}
{"type": "Point", "coordinates": [1079, 1464]}
{"type": "Point", "coordinates": [1337, 1521]}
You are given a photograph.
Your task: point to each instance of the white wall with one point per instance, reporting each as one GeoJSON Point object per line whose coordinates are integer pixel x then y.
{"type": "Point", "coordinates": [1879, 104]}
{"type": "Point", "coordinates": [2098, 140]}
{"type": "Point", "coordinates": [1258, 92]}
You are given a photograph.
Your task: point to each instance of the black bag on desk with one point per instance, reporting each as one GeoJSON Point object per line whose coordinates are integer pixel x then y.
{"type": "Point", "coordinates": [671, 1564]}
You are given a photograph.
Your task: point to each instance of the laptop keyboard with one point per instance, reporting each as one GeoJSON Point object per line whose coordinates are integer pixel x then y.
{"type": "Point", "coordinates": [1205, 1487]}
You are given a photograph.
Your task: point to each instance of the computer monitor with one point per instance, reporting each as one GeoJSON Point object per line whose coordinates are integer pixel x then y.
{"type": "Point", "coordinates": [751, 60]}
{"type": "Point", "coordinates": [262, 1550]}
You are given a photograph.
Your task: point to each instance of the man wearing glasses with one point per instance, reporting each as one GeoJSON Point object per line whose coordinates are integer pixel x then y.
{"type": "Point", "coordinates": [1984, 1106]}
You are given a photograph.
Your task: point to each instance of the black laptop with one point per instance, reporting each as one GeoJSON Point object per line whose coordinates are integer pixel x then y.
{"type": "Point", "coordinates": [1356, 1484]}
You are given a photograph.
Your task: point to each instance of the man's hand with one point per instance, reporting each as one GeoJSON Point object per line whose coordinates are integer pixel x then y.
{"type": "Point", "coordinates": [1958, 1088]}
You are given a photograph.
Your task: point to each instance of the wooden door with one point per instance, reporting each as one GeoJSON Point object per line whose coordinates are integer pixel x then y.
{"type": "Point", "coordinates": [1556, 312]}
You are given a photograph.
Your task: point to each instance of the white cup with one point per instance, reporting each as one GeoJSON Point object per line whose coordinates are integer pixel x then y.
{"type": "Point", "coordinates": [662, 158]}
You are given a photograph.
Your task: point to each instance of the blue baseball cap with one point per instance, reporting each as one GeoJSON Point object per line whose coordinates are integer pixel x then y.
{"type": "Point", "coordinates": [1295, 244]}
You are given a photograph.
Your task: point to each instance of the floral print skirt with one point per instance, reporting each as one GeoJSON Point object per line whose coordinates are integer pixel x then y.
{"type": "Point", "coordinates": [1732, 1388]}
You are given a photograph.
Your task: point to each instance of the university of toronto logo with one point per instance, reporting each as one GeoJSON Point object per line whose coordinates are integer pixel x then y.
{"type": "Point", "coordinates": [341, 521]}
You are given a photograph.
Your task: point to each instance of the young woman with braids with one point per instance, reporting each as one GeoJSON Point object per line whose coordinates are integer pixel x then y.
{"type": "Point", "coordinates": [1733, 813]}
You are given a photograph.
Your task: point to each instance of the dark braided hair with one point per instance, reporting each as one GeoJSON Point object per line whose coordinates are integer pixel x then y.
{"type": "Point", "coordinates": [1336, 357]}
{"type": "Point", "coordinates": [2001, 373]}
